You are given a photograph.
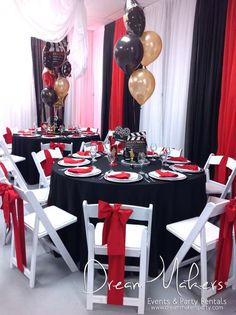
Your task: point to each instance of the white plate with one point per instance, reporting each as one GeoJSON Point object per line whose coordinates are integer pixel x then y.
{"type": "Point", "coordinates": [155, 175]}
{"type": "Point", "coordinates": [177, 162]}
{"type": "Point", "coordinates": [49, 137]}
{"type": "Point", "coordinates": [84, 157]}
{"type": "Point", "coordinates": [175, 168]}
{"type": "Point", "coordinates": [95, 171]}
{"type": "Point", "coordinates": [134, 177]}
{"type": "Point", "coordinates": [62, 163]}
{"type": "Point", "coordinates": [73, 136]}
{"type": "Point", "coordinates": [29, 136]}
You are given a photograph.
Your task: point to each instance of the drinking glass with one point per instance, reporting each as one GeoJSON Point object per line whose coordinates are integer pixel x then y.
{"type": "Point", "coordinates": [111, 158]}
{"type": "Point", "coordinates": [107, 146]}
{"type": "Point", "coordinates": [164, 155]}
{"type": "Point", "coordinates": [141, 161]}
{"type": "Point", "coordinates": [153, 149]}
{"type": "Point", "coordinates": [93, 152]}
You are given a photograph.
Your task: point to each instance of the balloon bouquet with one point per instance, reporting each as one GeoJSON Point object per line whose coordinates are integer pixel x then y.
{"type": "Point", "coordinates": [56, 85]}
{"type": "Point", "coordinates": [136, 50]}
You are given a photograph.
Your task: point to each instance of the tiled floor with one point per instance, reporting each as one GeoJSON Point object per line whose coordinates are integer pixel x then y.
{"type": "Point", "coordinates": [60, 292]}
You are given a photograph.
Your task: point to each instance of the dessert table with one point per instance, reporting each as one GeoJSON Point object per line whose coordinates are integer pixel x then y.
{"type": "Point", "coordinates": [172, 200]}
{"type": "Point", "coordinates": [24, 145]}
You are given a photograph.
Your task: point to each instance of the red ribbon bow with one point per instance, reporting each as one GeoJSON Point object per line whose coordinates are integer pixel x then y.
{"type": "Point", "coordinates": [47, 163]}
{"type": "Point", "coordinates": [9, 200]}
{"type": "Point", "coordinates": [8, 136]}
{"type": "Point", "coordinates": [54, 145]}
{"type": "Point", "coordinates": [225, 244]}
{"type": "Point", "coordinates": [114, 236]}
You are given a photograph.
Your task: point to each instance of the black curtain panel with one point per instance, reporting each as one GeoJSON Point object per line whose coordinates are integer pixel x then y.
{"type": "Point", "coordinates": [205, 79]}
{"type": "Point", "coordinates": [131, 109]}
{"type": "Point", "coordinates": [107, 76]}
{"type": "Point", "coordinates": [37, 46]}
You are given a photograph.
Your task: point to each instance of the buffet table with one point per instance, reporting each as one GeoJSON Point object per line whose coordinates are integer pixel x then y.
{"type": "Point", "coordinates": [172, 201]}
{"type": "Point", "coordinates": [23, 146]}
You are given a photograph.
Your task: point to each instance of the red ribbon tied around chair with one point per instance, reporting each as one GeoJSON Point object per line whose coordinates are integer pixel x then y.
{"type": "Point", "coordinates": [114, 236]}
{"type": "Point", "coordinates": [225, 244]}
{"type": "Point", "coordinates": [3, 167]}
{"type": "Point", "coordinates": [9, 200]}
{"type": "Point", "coordinates": [8, 136]}
{"type": "Point", "coordinates": [47, 163]}
{"type": "Point", "coordinates": [54, 145]}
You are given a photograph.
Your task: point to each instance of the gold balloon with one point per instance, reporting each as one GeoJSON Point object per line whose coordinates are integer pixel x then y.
{"type": "Point", "coordinates": [141, 85]}
{"type": "Point", "coordinates": [60, 102]}
{"type": "Point", "coordinates": [152, 45]}
{"type": "Point", "coordinates": [61, 87]}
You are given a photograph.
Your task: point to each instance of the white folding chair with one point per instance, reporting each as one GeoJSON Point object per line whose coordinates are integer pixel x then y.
{"type": "Point", "coordinates": [137, 244]}
{"type": "Point", "coordinates": [39, 157]}
{"type": "Point", "coordinates": [43, 222]}
{"type": "Point", "coordinates": [215, 188]}
{"type": "Point", "coordinates": [10, 164]}
{"type": "Point", "coordinates": [175, 152]}
{"type": "Point", "coordinates": [68, 147]}
{"type": "Point", "coordinates": [201, 235]}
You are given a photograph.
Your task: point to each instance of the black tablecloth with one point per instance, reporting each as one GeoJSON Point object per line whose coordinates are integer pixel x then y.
{"type": "Point", "coordinates": [172, 201]}
{"type": "Point", "coordinates": [23, 146]}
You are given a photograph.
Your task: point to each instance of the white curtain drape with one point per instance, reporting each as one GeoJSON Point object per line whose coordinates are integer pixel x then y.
{"type": "Point", "coordinates": [44, 19]}
{"type": "Point", "coordinates": [53, 20]}
{"type": "Point", "coordinates": [17, 100]}
{"type": "Point", "coordinates": [163, 115]}
{"type": "Point", "coordinates": [98, 38]}
{"type": "Point", "coordinates": [85, 99]}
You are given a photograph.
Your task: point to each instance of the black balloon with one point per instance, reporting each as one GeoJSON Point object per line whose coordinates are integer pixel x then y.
{"type": "Point", "coordinates": [135, 21]}
{"type": "Point", "coordinates": [49, 96]}
{"type": "Point", "coordinates": [128, 53]}
{"type": "Point", "coordinates": [131, 4]}
{"type": "Point", "coordinates": [66, 69]}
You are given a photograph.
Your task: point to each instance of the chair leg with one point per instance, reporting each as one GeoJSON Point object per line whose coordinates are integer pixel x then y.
{"type": "Point", "coordinates": [34, 256]}
{"type": "Point", "coordinates": [12, 251]}
{"type": "Point", "coordinates": [90, 273]}
{"type": "Point", "coordinates": [203, 264]}
{"type": "Point", "coordinates": [234, 265]}
{"type": "Point", "coordinates": [142, 274]}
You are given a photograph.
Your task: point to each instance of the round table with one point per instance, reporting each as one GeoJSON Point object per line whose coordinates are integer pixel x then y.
{"type": "Point", "coordinates": [23, 146]}
{"type": "Point", "coordinates": [172, 201]}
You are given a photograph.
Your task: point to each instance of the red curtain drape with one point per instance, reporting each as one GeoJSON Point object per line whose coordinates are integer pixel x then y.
{"type": "Point", "coordinates": [227, 113]}
{"type": "Point", "coordinates": [117, 87]}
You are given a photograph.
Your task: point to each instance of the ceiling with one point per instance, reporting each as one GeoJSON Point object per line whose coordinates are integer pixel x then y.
{"type": "Point", "coordinates": [101, 12]}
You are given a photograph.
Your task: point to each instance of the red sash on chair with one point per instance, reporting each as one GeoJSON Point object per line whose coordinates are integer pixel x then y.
{"type": "Point", "coordinates": [114, 236]}
{"type": "Point", "coordinates": [9, 200]}
{"type": "Point", "coordinates": [4, 170]}
{"type": "Point", "coordinates": [47, 163]}
{"type": "Point", "coordinates": [54, 145]}
{"type": "Point", "coordinates": [99, 145]}
{"type": "Point", "coordinates": [8, 136]}
{"type": "Point", "coordinates": [222, 170]}
{"type": "Point", "coordinates": [225, 244]}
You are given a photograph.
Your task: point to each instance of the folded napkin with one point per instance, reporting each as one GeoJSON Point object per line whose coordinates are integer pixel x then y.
{"type": "Point", "coordinates": [178, 159]}
{"type": "Point", "coordinates": [75, 135]}
{"type": "Point", "coordinates": [83, 153]}
{"type": "Point", "coordinates": [72, 128]}
{"type": "Point", "coordinates": [191, 167]}
{"type": "Point", "coordinates": [166, 174]}
{"type": "Point", "coordinates": [72, 161]}
{"type": "Point", "coordinates": [80, 170]}
{"type": "Point", "coordinates": [150, 152]}
{"type": "Point", "coordinates": [49, 136]}
{"type": "Point", "coordinates": [121, 175]}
